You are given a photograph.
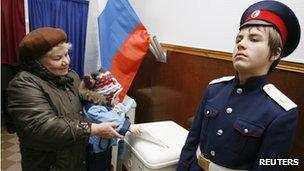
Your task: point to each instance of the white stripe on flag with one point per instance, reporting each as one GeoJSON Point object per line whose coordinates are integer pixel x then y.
{"type": "Point", "coordinates": [92, 60]}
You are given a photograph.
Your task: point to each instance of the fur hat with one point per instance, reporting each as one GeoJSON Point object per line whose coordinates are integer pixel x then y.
{"type": "Point", "coordinates": [38, 42]}
{"type": "Point", "coordinates": [99, 87]}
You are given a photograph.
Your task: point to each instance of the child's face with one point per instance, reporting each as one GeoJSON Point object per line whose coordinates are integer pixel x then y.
{"type": "Point", "coordinates": [115, 100]}
{"type": "Point", "coordinates": [251, 54]}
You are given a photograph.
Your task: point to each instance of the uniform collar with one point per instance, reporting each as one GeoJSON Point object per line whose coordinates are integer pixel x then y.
{"type": "Point", "coordinates": [252, 83]}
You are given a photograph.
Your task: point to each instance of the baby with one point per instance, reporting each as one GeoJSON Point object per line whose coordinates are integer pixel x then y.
{"type": "Point", "coordinates": [99, 92]}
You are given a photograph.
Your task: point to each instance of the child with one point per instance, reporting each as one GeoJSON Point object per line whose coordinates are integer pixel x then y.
{"type": "Point", "coordinates": [243, 119]}
{"type": "Point", "coordinates": [101, 104]}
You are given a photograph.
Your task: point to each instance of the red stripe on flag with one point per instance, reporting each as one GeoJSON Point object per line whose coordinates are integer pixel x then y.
{"type": "Point", "coordinates": [129, 57]}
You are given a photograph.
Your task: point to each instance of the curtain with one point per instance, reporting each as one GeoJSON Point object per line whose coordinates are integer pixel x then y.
{"type": "Point", "coordinates": [12, 30]}
{"type": "Point", "coordinates": [71, 16]}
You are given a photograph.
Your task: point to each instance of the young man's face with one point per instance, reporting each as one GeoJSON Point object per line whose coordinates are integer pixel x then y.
{"type": "Point", "coordinates": [251, 54]}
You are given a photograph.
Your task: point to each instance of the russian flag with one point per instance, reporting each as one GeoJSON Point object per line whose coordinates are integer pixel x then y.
{"type": "Point", "coordinates": [124, 41]}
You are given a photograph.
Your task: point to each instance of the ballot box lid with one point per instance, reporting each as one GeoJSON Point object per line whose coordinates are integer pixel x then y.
{"type": "Point", "coordinates": [163, 148]}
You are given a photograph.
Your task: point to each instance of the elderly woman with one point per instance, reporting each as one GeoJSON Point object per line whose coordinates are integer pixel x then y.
{"type": "Point", "coordinates": [44, 103]}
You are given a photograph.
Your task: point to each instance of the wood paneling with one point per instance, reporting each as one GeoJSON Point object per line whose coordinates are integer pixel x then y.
{"type": "Point", "coordinates": [206, 53]}
{"type": "Point", "coordinates": [173, 90]}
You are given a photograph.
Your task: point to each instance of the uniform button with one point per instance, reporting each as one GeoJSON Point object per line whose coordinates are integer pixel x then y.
{"type": "Point", "coordinates": [83, 162]}
{"type": "Point", "coordinates": [239, 90]}
{"type": "Point", "coordinates": [245, 130]}
{"type": "Point", "coordinates": [220, 132]}
{"type": "Point", "coordinates": [207, 112]}
{"type": "Point", "coordinates": [229, 110]}
{"type": "Point", "coordinates": [212, 153]}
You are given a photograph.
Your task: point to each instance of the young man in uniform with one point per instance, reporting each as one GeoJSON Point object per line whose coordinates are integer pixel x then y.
{"type": "Point", "coordinates": [243, 119]}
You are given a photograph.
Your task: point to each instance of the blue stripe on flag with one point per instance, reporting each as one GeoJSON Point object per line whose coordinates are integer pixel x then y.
{"type": "Point", "coordinates": [116, 22]}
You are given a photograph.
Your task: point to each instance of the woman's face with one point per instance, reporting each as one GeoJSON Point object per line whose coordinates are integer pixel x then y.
{"type": "Point", "coordinates": [57, 62]}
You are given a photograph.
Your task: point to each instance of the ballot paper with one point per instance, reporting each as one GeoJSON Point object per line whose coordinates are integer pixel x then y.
{"type": "Point", "coordinates": [146, 136]}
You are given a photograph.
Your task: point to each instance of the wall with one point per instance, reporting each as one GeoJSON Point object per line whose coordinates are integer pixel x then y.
{"type": "Point", "coordinates": [208, 24]}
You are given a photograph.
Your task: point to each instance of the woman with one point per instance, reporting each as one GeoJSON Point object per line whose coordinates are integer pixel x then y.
{"type": "Point", "coordinates": [44, 104]}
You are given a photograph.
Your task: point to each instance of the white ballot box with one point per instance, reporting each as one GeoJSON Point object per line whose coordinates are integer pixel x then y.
{"type": "Point", "coordinates": [158, 148]}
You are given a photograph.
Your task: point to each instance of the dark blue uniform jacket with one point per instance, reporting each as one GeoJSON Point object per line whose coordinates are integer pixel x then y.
{"type": "Point", "coordinates": [236, 125]}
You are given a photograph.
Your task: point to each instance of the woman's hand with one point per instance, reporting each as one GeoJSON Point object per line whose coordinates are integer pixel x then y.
{"type": "Point", "coordinates": [105, 130]}
{"type": "Point", "coordinates": [135, 130]}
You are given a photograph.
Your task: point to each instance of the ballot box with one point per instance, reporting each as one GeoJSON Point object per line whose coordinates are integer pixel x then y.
{"type": "Point", "coordinates": [158, 148]}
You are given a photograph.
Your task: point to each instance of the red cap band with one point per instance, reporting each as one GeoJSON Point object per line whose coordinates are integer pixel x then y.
{"type": "Point", "coordinates": [271, 18]}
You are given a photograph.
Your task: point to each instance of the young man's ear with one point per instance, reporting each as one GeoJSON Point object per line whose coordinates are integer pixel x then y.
{"type": "Point", "coordinates": [276, 55]}
{"type": "Point", "coordinates": [274, 58]}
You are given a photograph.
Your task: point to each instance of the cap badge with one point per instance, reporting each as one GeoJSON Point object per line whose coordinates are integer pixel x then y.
{"type": "Point", "coordinates": [255, 13]}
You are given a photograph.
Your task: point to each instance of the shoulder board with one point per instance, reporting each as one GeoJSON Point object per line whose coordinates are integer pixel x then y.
{"type": "Point", "coordinates": [222, 79]}
{"type": "Point", "coordinates": [279, 97]}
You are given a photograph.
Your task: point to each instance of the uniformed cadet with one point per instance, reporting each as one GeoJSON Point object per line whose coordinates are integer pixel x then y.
{"type": "Point", "coordinates": [243, 118]}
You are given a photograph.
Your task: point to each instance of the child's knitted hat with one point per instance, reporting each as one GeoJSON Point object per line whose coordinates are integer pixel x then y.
{"type": "Point", "coordinates": [100, 83]}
